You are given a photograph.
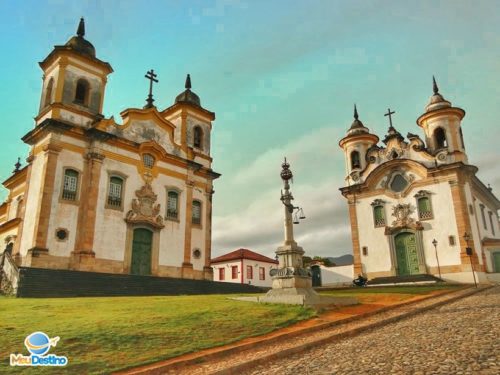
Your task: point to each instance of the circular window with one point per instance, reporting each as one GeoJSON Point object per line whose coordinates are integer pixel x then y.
{"type": "Point", "coordinates": [61, 234]}
{"type": "Point", "coordinates": [196, 254]}
{"type": "Point", "coordinates": [398, 183]}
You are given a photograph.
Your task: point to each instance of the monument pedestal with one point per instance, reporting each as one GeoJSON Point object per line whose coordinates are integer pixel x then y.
{"type": "Point", "coordinates": [297, 290]}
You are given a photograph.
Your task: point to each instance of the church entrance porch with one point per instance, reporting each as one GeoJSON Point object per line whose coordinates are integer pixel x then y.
{"type": "Point", "coordinates": [406, 254]}
{"type": "Point", "coordinates": [141, 252]}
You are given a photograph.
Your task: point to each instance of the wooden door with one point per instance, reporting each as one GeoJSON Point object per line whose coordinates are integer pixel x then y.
{"type": "Point", "coordinates": [496, 262]}
{"type": "Point", "coordinates": [406, 254]}
{"type": "Point", "coordinates": [141, 252]}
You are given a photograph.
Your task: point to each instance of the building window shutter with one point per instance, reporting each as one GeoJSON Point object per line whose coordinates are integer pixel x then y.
{"type": "Point", "coordinates": [424, 208]}
{"type": "Point", "coordinates": [379, 215]}
{"type": "Point", "coordinates": [70, 186]}
{"type": "Point", "coordinates": [196, 219]}
{"type": "Point", "coordinates": [115, 191]}
{"type": "Point", "coordinates": [172, 205]}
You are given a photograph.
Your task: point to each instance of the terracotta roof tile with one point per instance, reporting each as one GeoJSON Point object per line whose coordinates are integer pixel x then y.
{"type": "Point", "coordinates": [242, 254]}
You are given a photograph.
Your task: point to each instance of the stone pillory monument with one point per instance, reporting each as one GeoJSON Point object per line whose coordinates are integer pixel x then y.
{"type": "Point", "coordinates": [292, 283]}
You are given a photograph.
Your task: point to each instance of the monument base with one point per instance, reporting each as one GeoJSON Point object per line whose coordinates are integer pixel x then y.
{"type": "Point", "coordinates": [297, 290]}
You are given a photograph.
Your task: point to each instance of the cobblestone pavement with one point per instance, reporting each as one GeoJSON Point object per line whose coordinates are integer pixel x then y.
{"type": "Point", "coordinates": [462, 337]}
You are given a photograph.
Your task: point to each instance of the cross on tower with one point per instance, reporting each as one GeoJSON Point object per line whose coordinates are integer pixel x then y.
{"type": "Point", "coordinates": [389, 113]}
{"type": "Point", "coordinates": [152, 78]}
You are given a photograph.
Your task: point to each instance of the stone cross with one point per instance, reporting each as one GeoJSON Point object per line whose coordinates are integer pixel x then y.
{"type": "Point", "coordinates": [389, 113]}
{"type": "Point", "coordinates": [152, 78]}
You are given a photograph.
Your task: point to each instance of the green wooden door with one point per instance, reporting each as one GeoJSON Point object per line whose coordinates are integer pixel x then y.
{"type": "Point", "coordinates": [316, 275]}
{"type": "Point", "coordinates": [496, 262]}
{"type": "Point", "coordinates": [406, 254]}
{"type": "Point", "coordinates": [141, 252]}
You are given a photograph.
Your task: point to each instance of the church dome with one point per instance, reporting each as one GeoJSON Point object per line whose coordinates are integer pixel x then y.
{"type": "Point", "coordinates": [436, 101]}
{"type": "Point", "coordinates": [357, 126]}
{"type": "Point", "coordinates": [188, 96]}
{"type": "Point", "coordinates": [79, 44]}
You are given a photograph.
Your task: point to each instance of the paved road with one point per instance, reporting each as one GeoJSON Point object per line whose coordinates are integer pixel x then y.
{"type": "Point", "coordinates": [459, 338]}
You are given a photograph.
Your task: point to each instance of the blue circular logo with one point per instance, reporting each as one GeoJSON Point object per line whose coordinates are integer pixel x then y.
{"type": "Point", "coordinates": [37, 343]}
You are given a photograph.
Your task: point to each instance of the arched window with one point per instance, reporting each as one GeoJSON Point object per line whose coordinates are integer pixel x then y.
{"type": "Point", "coordinates": [115, 191]}
{"type": "Point", "coordinates": [148, 160]}
{"type": "Point", "coordinates": [82, 92]}
{"type": "Point", "coordinates": [48, 93]}
{"type": "Point", "coordinates": [355, 160]}
{"type": "Point", "coordinates": [70, 185]}
{"type": "Point", "coordinates": [379, 216]}
{"type": "Point", "coordinates": [19, 206]}
{"type": "Point", "coordinates": [196, 214]}
{"type": "Point", "coordinates": [424, 208]}
{"type": "Point", "coordinates": [440, 138]}
{"type": "Point", "coordinates": [172, 205]}
{"type": "Point", "coordinates": [197, 137]}
{"type": "Point", "coordinates": [462, 138]}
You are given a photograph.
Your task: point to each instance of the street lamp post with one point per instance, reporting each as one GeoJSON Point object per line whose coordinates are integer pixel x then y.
{"type": "Point", "coordinates": [434, 242]}
{"type": "Point", "coordinates": [468, 251]}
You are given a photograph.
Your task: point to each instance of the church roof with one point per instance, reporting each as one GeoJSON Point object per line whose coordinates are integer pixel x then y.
{"type": "Point", "coordinates": [187, 96]}
{"type": "Point", "coordinates": [357, 126]}
{"type": "Point", "coordinates": [436, 101]}
{"type": "Point", "coordinates": [79, 44]}
{"type": "Point", "coordinates": [243, 254]}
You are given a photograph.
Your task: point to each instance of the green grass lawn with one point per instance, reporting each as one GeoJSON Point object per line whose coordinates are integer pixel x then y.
{"type": "Point", "coordinates": [99, 335]}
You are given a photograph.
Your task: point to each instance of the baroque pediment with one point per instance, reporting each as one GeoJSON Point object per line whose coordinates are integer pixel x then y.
{"type": "Point", "coordinates": [142, 126]}
{"type": "Point", "coordinates": [403, 220]}
{"type": "Point", "coordinates": [145, 210]}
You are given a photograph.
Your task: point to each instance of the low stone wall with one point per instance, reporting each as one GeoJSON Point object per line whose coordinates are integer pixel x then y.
{"type": "Point", "coordinates": [41, 282]}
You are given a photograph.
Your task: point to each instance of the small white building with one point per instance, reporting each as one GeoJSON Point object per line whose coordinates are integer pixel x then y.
{"type": "Point", "coordinates": [243, 266]}
{"type": "Point", "coordinates": [333, 276]}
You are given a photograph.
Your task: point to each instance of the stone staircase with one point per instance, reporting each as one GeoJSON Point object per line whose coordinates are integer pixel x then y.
{"type": "Point", "coordinates": [410, 279]}
{"type": "Point", "coordinates": [40, 282]}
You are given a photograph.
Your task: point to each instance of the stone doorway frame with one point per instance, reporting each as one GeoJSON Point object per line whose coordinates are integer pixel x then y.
{"type": "Point", "coordinates": [155, 247]}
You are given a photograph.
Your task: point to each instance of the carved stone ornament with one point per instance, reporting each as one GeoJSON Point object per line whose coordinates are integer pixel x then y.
{"type": "Point", "coordinates": [402, 214]}
{"type": "Point", "coordinates": [144, 210]}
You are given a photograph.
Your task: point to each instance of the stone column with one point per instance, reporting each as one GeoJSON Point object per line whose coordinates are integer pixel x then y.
{"type": "Point", "coordinates": [358, 268]}
{"type": "Point", "coordinates": [17, 244]}
{"type": "Point", "coordinates": [463, 223]}
{"type": "Point", "coordinates": [51, 152]}
{"type": "Point", "coordinates": [83, 254]}
{"type": "Point", "coordinates": [187, 266]}
{"type": "Point", "coordinates": [207, 270]}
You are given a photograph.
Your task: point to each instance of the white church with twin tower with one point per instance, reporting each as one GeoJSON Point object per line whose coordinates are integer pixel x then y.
{"type": "Point", "coordinates": [416, 206]}
{"type": "Point", "coordinates": [133, 197]}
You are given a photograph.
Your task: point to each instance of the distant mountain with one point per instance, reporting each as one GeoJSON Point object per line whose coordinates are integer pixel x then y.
{"type": "Point", "coordinates": [343, 260]}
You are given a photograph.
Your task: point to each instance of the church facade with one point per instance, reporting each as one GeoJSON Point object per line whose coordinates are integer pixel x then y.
{"type": "Point", "coordinates": [416, 205]}
{"type": "Point", "coordinates": [96, 195]}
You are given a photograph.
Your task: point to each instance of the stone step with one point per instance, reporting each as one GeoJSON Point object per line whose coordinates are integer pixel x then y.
{"type": "Point", "coordinates": [410, 279]}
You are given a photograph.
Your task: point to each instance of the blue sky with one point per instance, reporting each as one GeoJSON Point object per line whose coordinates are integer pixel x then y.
{"type": "Point", "coordinates": [282, 77]}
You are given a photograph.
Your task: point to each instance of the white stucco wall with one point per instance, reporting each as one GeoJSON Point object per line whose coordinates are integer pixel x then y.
{"type": "Point", "coordinates": [440, 227]}
{"type": "Point", "coordinates": [227, 271]}
{"type": "Point", "coordinates": [32, 202]}
{"type": "Point", "coordinates": [255, 280]}
{"type": "Point", "coordinates": [64, 214]}
{"type": "Point", "coordinates": [338, 275]}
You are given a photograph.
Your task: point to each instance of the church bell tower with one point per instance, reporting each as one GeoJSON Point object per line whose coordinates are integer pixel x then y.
{"type": "Point", "coordinates": [355, 145]}
{"type": "Point", "coordinates": [441, 123]}
{"type": "Point", "coordinates": [74, 81]}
